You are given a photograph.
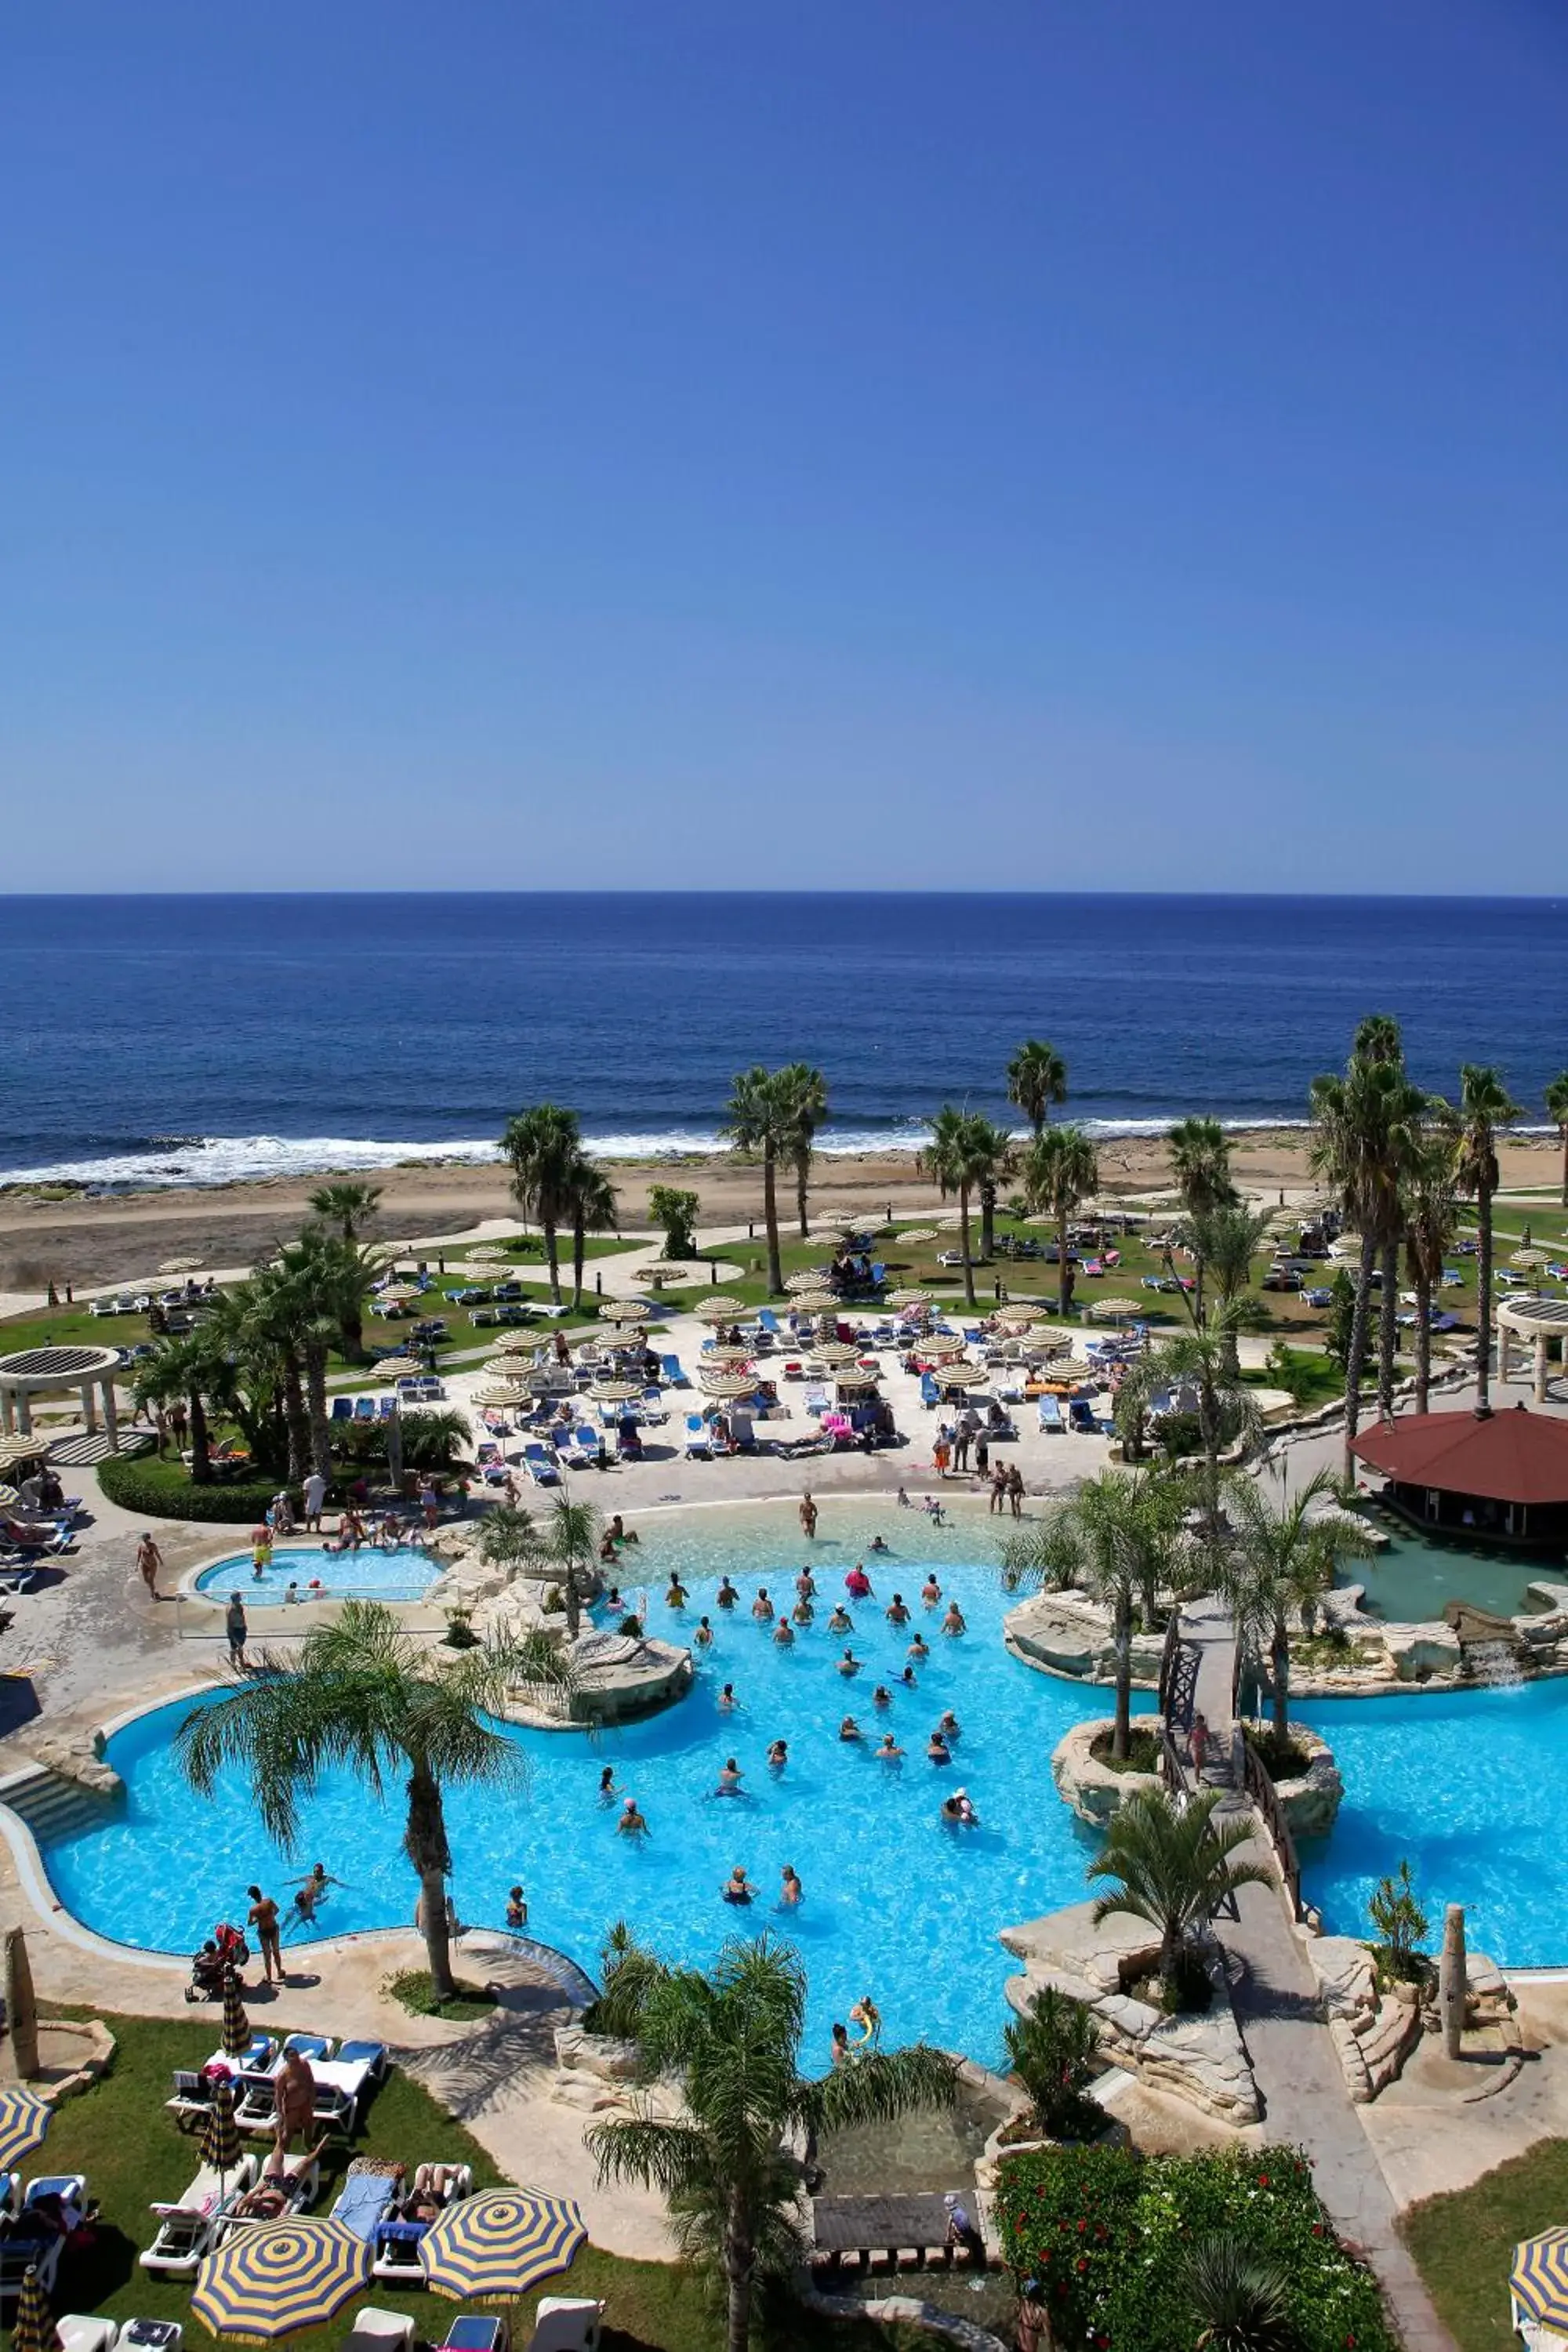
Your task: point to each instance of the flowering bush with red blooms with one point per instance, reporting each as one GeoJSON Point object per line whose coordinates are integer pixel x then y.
{"type": "Point", "coordinates": [1100, 2238]}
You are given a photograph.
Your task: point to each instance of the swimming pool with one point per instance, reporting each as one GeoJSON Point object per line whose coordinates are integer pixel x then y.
{"type": "Point", "coordinates": [406, 1574]}
{"type": "Point", "coordinates": [1468, 1787]}
{"type": "Point", "coordinates": [1410, 1581]}
{"type": "Point", "coordinates": [895, 1904]}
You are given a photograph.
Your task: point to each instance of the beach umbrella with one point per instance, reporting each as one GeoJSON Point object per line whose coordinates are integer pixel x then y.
{"type": "Point", "coordinates": [623, 1310]}
{"type": "Point", "coordinates": [728, 1384]}
{"type": "Point", "coordinates": [909, 1297]}
{"type": "Point", "coordinates": [504, 1367]}
{"type": "Point", "coordinates": [393, 1368]}
{"type": "Point", "coordinates": [180, 1265]}
{"type": "Point", "coordinates": [237, 2033]}
{"type": "Point", "coordinates": [1073, 1371]}
{"type": "Point", "coordinates": [220, 2133]}
{"type": "Point", "coordinates": [23, 2120]}
{"type": "Point", "coordinates": [278, 2278]}
{"type": "Point", "coordinates": [856, 1376]}
{"type": "Point", "coordinates": [513, 1343]}
{"type": "Point", "coordinates": [1529, 1261]}
{"type": "Point", "coordinates": [817, 1302]}
{"type": "Point", "coordinates": [835, 1352]}
{"type": "Point", "coordinates": [1538, 2279]}
{"type": "Point", "coordinates": [938, 1345]}
{"type": "Point", "coordinates": [720, 1307]}
{"type": "Point", "coordinates": [35, 2329]}
{"type": "Point", "coordinates": [499, 2245]}
{"type": "Point", "coordinates": [962, 1375]}
{"type": "Point", "coordinates": [21, 1449]}
{"type": "Point", "coordinates": [808, 1279]}
{"type": "Point", "coordinates": [7, 1497]}
{"type": "Point", "coordinates": [916, 1234]}
{"type": "Point", "coordinates": [1115, 1307]}
{"type": "Point", "coordinates": [1023, 1310]}
{"type": "Point", "coordinates": [726, 1358]}
{"type": "Point", "coordinates": [1346, 1249]}
{"type": "Point", "coordinates": [496, 1397]}
{"type": "Point", "coordinates": [615, 1392]}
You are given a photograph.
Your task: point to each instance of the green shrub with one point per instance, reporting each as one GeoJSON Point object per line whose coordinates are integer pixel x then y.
{"type": "Point", "coordinates": [1103, 2237]}
{"type": "Point", "coordinates": [160, 1490]}
{"type": "Point", "coordinates": [1051, 2049]}
{"type": "Point", "coordinates": [414, 1991]}
{"type": "Point", "coordinates": [1402, 1924]}
{"type": "Point", "coordinates": [630, 1972]}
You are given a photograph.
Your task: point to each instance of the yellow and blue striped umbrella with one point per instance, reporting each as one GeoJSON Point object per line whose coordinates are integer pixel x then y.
{"type": "Point", "coordinates": [23, 2120]}
{"type": "Point", "coordinates": [220, 2133]}
{"type": "Point", "coordinates": [35, 2329]}
{"type": "Point", "coordinates": [280, 2278]}
{"type": "Point", "coordinates": [500, 2244]}
{"type": "Point", "coordinates": [237, 2033]}
{"type": "Point", "coordinates": [1538, 2279]}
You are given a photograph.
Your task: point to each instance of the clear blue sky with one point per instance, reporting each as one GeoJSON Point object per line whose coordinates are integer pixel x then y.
{"type": "Point", "coordinates": [747, 442]}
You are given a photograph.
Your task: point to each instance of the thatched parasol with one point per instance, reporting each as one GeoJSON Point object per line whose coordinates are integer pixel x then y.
{"type": "Point", "coordinates": [835, 1352]}
{"type": "Point", "coordinates": [808, 1279]}
{"type": "Point", "coordinates": [615, 1392]}
{"type": "Point", "coordinates": [726, 1359]}
{"type": "Point", "coordinates": [910, 1298]}
{"type": "Point", "coordinates": [728, 1384]}
{"type": "Point", "coordinates": [718, 1308]}
{"type": "Point", "coordinates": [623, 1310]}
{"type": "Point", "coordinates": [180, 1265]}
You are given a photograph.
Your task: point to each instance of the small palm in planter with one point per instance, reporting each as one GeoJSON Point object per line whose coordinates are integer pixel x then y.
{"type": "Point", "coordinates": [1174, 1868]}
{"type": "Point", "coordinates": [1052, 2052]}
{"type": "Point", "coordinates": [1239, 2300]}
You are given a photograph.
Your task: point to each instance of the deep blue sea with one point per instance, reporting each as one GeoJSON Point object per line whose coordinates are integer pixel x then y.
{"type": "Point", "coordinates": [159, 1041]}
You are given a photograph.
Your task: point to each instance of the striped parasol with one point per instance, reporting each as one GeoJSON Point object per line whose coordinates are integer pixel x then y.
{"type": "Point", "coordinates": [961, 1376]}
{"type": "Point", "coordinates": [237, 2033]}
{"type": "Point", "coordinates": [1529, 1261]}
{"type": "Point", "coordinates": [1023, 1310]}
{"type": "Point", "coordinates": [835, 1352]}
{"type": "Point", "coordinates": [499, 2245]}
{"type": "Point", "coordinates": [623, 1310]}
{"type": "Point", "coordinates": [817, 1302]}
{"type": "Point", "coordinates": [1538, 2279]}
{"type": "Point", "coordinates": [512, 1343]}
{"type": "Point", "coordinates": [503, 1367]}
{"type": "Point", "coordinates": [804, 1280]}
{"type": "Point", "coordinates": [916, 1234]}
{"type": "Point", "coordinates": [726, 1358]}
{"type": "Point", "coordinates": [615, 1391]}
{"type": "Point", "coordinates": [220, 2133]}
{"type": "Point", "coordinates": [718, 1308]}
{"type": "Point", "coordinates": [23, 2120]}
{"type": "Point", "coordinates": [938, 1347]}
{"type": "Point", "coordinates": [908, 1297]}
{"type": "Point", "coordinates": [728, 1384]}
{"type": "Point", "coordinates": [280, 2278]}
{"type": "Point", "coordinates": [35, 2330]}
{"type": "Point", "coordinates": [498, 1395]}
{"type": "Point", "coordinates": [1117, 1308]}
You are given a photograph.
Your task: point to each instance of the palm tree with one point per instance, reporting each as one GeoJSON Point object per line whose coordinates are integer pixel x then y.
{"type": "Point", "coordinates": [1557, 1112]}
{"type": "Point", "coordinates": [194, 1371]}
{"type": "Point", "coordinates": [316, 1284]}
{"type": "Point", "coordinates": [1484, 1108]}
{"type": "Point", "coordinates": [348, 1206]}
{"type": "Point", "coordinates": [805, 1092]}
{"type": "Point", "coordinates": [1200, 1170]}
{"type": "Point", "coordinates": [732, 2039]}
{"type": "Point", "coordinates": [590, 1203]}
{"type": "Point", "coordinates": [1223, 1242]}
{"type": "Point", "coordinates": [1227, 1409]}
{"type": "Point", "coordinates": [566, 1547]}
{"type": "Point", "coordinates": [1173, 1868]}
{"type": "Point", "coordinates": [1036, 1079]}
{"type": "Point", "coordinates": [961, 1153]}
{"type": "Point", "coordinates": [758, 1122]}
{"type": "Point", "coordinates": [1060, 1173]}
{"type": "Point", "coordinates": [544, 1145]}
{"type": "Point", "coordinates": [1430, 1219]}
{"type": "Point", "coordinates": [1001, 1158]}
{"type": "Point", "coordinates": [363, 1694]}
{"type": "Point", "coordinates": [1279, 1562]}
{"type": "Point", "coordinates": [1363, 1125]}
{"type": "Point", "coordinates": [1116, 1536]}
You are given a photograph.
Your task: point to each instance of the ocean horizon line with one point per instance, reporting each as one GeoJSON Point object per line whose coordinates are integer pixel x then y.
{"type": "Point", "coordinates": [715, 891]}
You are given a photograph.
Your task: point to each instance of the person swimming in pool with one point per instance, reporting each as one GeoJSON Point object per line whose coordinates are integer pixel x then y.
{"type": "Point", "coordinates": [937, 1749]}
{"type": "Point", "coordinates": [727, 1595]}
{"type": "Point", "coordinates": [849, 1728]}
{"type": "Point", "coordinates": [312, 1891]}
{"type": "Point", "coordinates": [868, 2017]}
{"type": "Point", "coordinates": [736, 1888]}
{"type": "Point", "coordinates": [881, 1696]}
{"type": "Point", "coordinates": [848, 1664]}
{"type": "Point", "coordinates": [703, 1637]}
{"type": "Point", "coordinates": [898, 1610]}
{"type": "Point", "coordinates": [784, 1634]}
{"type": "Point", "coordinates": [878, 1545]}
{"type": "Point", "coordinates": [778, 1755]}
{"type": "Point", "coordinates": [948, 1725]}
{"type": "Point", "coordinates": [958, 1810]}
{"type": "Point", "coordinates": [953, 1623]}
{"type": "Point", "coordinates": [930, 1592]}
{"type": "Point", "coordinates": [761, 1607]}
{"type": "Point", "coordinates": [841, 1621]}
{"type": "Point", "coordinates": [909, 1679]}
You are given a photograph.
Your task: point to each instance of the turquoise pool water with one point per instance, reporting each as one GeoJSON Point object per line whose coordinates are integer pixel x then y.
{"type": "Point", "coordinates": [1468, 1787]}
{"type": "Point", "coordinates": [403, 1575]}
{"type": "Point", "coordinates": [895, 1904]}
{"type": "Point", "coordinates": [1413, 1580]}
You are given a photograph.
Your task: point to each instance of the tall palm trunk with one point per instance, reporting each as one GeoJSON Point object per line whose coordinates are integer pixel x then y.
{"type": "Point", "coordinates": [1357, 1354]}
{"type": "Point", "coordinates": [1121, 1737]}
{"type": "Point", "coordinates": [1484, 1296]}
{"type": "Point", "coordinates": [802, 1188]}
{"type": "Point", "coordinates": [573, 1601]}
{"type": "Point", "coordinates": [425, 1843]}
{"type": "Point", "coordinates": [1198, 1310]}
{"type": "Point", "coordinates": [201, 1464]}
{"type": "Point", "coordinates": [579, 1252]}
{"type": "Point", "coordinates": [1387, 1328]}
{"type": "Point", "coordinates": [553, 1252]}
{"type": "Point", "coordinates": [1064, 1265]}
{"type": "Point", "coordinates": [770, 1218]}
{"type": "Point", "coordinates": [964, 1245]}
{"type": "Point", "coordinates": [1423, 1282]}
{"type": "Point", "coordinates": [740, 2262]}
{"type": "Point", "coordinates": [1279, 1670]}
{"type": "Point", "coordinates": [296, 1420]}
{"type": "Point", "coordinates": [987, 1222]}
{"type": "Point", "coordinates": [316, 1399]}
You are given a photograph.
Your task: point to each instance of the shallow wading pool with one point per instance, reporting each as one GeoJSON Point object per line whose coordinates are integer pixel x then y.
{"type": "Point", "coordinates": [406, 1574]}
{"type": "Point", "coordinates": [896, 1903]}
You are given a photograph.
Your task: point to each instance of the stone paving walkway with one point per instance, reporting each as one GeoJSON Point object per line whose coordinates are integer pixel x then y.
{"type": "Point", "coordinates": [1305, 2101]}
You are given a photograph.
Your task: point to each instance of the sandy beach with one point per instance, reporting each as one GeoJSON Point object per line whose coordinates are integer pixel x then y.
{"type": "Point", "coordinates": [113, 1238]}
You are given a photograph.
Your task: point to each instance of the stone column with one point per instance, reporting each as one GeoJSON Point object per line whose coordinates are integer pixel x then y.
{"type": "Point", "coordinates": [1504, 1369]}
{"type": "Point", "coordinates": [24, 1413]}
{"type": "Point", "coordinates": [1451, 1981]}
{"type": "Point", "coordinates": [7, 1414]}
{"type": "Point", "coordinates": [1541, 1368]}
{"type": "Point", "coordinates": [90, 1407]}
{"type": "Point", "coordinates": [111, 1416]}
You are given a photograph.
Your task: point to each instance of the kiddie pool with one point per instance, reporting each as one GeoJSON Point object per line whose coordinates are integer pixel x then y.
{"type": "Point", "coordinates": [406, 1574]}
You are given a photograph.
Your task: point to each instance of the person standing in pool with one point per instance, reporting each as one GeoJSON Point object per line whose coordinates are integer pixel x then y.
{"type": "Point", "coordinates": [632, 1823]}
{"type": "Point", "coordinates": [313, 1891]}
{"type": "Point", "coordinates": [790, 1889]}
{"type": "Point", "coordinates": [516, 1908]}
{"type": "Point", "coordinates": [736, 1889]}
{"type": "Point", "coordinates": [898, 1610]}
{"type": "Point", "coordinates": [727, 1595]}
{"type": "Point", "coordinates": [761, 1607]}
{"type": "Point", "coordinates": [703, 1637]}
{"type": "Point", "coordinates": [607, 1789]}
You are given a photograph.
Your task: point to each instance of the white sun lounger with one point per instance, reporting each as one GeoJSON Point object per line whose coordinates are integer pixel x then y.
{"type": "Point", "coordinates": [188, 2229]}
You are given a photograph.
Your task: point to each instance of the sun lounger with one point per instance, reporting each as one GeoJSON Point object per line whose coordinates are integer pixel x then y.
{"type": "Point", "coordinates": [379, 2331]}
{"type": "Point", "coordinates": [33, 2239]}
{"type": "Point", "coordinates": [313, 2047]}
{"type": "Point", "coordinates": [364, 1408]}
{"type": "Point", "coordinates": [1049, 1414]}
{"type": "Point", "coordinates": [931, 1393]}
{"type": "Point", "coordinates": [370, 2190]}
{"type": "Point", "coordinates": [816, 1399]}
{"type": "Point", "coordinates": [539, 1463]}
{"type": "Point", "coordinates": [188, 2228]}
{"type": "Point", "coordinates": [670, 1366]}
{"type": "Point", "coordinates": [566, 2322]}
{"type": "Point", "coordinates": [398, 2238]}
{"type": "Point", "coordinates": [342, 1408]}
{"type": "Point", "coordinates": [281, 2192]}
{"type": "Point", "coordinates": [1081, 1417]}
{"type": "Point", "coordinates": [699, 1439]}
{"type": "Point", "coordinates": [581, 1450]}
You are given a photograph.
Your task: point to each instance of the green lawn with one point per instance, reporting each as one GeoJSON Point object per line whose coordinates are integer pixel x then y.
{"type": "Point", "coordinates": [118, 2134]}
{"type": "Point", "coordinates": [1463, 2246]}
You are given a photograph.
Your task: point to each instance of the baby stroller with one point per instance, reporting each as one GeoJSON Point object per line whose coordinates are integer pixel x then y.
{"type": "Point", "coordinates": [225, 1948]}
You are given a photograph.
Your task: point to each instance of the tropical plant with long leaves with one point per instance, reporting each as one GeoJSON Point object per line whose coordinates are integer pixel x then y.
{"type": "Point", "coordinates": [542, 1146]}
{"type": "Point", "coordinates": [1237, 2298]}
{"type": "Point", "coordinates": [348, 1206]}
{"type": "Point", "coordinates": [1475, 1122]}
{"type": "Point", "coordinates": [998, 1165]}
{"type": "Point", "coordinates": [960, 1156]}
{"type": "Point", "coordinates": [192, 1369]}
{"type": "Point", "coordinates": [565, 1545]}
{"type": "Point", "coordinates": [362, 1696]}
{"type": "Point", "coordinates": [732, 2041]}
{"type": "Point", "coordinates": [1431, 1220]}
{"type": "Point", "coordinates": [591, 1207]}
{"type": "Point", "coordinates": [1364, 1126]}
{"type": "Point", "coordinates": [758, 1122]}
{"type": "Point", "coordinates": [1200, 1170]}
{"type": "Point", "coordinates": [1120, 1536]}
{"type": "Point", "coordinates": [1037, 1081]}
{"type": "Point", "coordinates": [1223, 1242]}
{"type": "Point", "coordinates": [1227, 1410]}
{"type": "Point", "coordinates": [1171, 1866]}
{"type": "Point", "coordinates": [1060, 1173]}
{"type": "Point", "coordinates": [1557, 1112]}
{"type": "Point", "coordinates": [806, 1110]}
{"type": "Point", "coordinates": [1276, 1563]}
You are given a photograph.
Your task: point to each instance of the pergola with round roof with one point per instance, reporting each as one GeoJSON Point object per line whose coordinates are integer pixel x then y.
{"type": "Point", "coordinates": [44, 1371]}
{"type": "Point", "coordinates": [1530, 1316]}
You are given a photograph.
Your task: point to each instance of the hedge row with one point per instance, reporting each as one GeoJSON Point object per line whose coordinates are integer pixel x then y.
{"type": "Point", "coordinates": [154, 1490]}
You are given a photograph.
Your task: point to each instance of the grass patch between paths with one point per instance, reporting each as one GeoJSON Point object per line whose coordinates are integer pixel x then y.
{"type": "Point", "coordinates": [1463, 2244]}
